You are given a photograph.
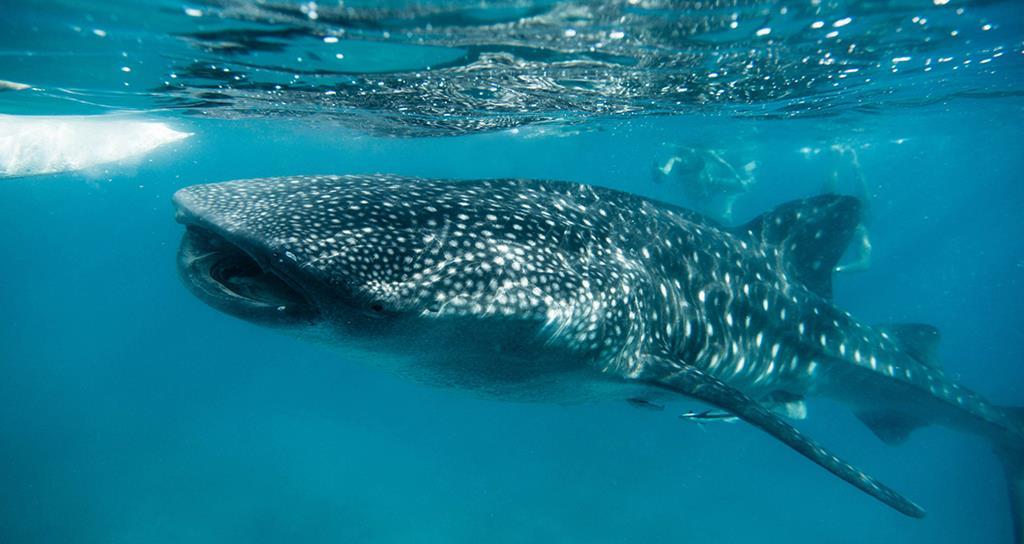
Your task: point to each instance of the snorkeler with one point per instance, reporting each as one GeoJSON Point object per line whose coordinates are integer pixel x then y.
{"type": "Point", "coordinates": [710, 182]}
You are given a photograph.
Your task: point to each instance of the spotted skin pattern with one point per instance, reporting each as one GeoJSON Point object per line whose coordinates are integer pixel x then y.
{"type": "Point", "coordinates": [625, 288]}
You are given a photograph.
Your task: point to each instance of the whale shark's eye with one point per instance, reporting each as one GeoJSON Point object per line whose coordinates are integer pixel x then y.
{"type": "Point", "coordinates": [377, 307]}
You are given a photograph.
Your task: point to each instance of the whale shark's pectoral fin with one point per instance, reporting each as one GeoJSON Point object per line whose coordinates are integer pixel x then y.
{"type": "Point", "coordinates": [694, 383]}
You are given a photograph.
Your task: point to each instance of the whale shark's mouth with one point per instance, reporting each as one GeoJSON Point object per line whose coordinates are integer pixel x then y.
{"type": "Point", "coordinates": [228, 278]}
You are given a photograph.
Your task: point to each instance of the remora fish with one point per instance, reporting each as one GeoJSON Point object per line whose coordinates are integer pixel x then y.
{"type": "Point", "coordinates": [554, 291]}
{"type": "Point", "coordinates": [700, 418]}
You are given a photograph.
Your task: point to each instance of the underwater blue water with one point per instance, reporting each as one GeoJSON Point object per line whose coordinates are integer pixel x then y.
{"type": "Point", "coordinates": [132, 412]}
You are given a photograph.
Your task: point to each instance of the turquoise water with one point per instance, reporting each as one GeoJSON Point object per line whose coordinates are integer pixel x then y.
{"type": "Point", "coordinates": [132, 412]}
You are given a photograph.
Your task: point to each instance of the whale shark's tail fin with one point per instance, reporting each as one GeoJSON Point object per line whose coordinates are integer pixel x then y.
{"type": "Point", "coordinates": [1015, 486]}
{"type": "Point", "coordinates": [807, 237]}
{"type": "Point", "coordinates": [1011, 453]}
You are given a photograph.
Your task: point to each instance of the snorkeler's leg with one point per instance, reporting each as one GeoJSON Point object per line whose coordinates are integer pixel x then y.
{"type": "Point", "coordinates": [863, 248]}
{"type": "Point", "coordinates": [831, 184]}
{"type": "Point", "coordinates": [727, 205]}
{"type": "Point", "coordinates": [863, 241]}
{"type": "Point", "coordinates": [861, 183]}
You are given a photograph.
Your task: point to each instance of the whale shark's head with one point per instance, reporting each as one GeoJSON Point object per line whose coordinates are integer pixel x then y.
{"type": "Point", "coordinates": [226, 262]}
{"type": "Point", "coordinates": [374, 255]}
{"type": "Point", "coordinates": [292, 252]}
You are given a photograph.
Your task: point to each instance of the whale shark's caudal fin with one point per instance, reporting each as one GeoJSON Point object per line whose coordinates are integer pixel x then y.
{"type": "Point", "coordinates": [1014, 468]}
{"type": "Point", "coordinates": [1011, 453]}
{"type": "Point", "coordinates": [810, 235]}
{"type": "Point", "coordinates": [691, 382]}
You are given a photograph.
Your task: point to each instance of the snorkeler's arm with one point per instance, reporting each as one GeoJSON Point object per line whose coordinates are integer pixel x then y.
{"type": "Point", "coordinates": [863, 250]}
{"type": "Point", "coordinates": [666, 169]}
{"type": "Point", "coordinates": [718, 158]}
{"type": "Point", "coordinates": [745, 178]}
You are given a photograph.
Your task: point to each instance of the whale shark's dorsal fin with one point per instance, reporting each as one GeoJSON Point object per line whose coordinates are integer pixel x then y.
{"type": "Point", "coordinates": [919, 340]}
{"type": "Point", "coordinates": [811, 236]}
{"type": "Point", "coordinates": [691, 381]}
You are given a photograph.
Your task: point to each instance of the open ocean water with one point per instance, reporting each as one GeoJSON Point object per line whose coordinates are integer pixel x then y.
{"type": "Point", "coordinates": [131, 412]}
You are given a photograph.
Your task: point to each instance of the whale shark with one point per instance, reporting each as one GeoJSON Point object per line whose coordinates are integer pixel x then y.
{"type": "Point", "coordinates": [553, 291]}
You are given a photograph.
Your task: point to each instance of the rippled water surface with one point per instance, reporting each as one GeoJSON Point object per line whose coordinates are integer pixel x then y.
{"type": "Point", "coordinates": [441, 68]}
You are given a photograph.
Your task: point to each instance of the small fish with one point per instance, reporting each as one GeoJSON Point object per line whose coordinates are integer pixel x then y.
{"type": "Point", "coordinates": [644, 404]}
{"type": "Point", "coordinates": [708, 416]}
